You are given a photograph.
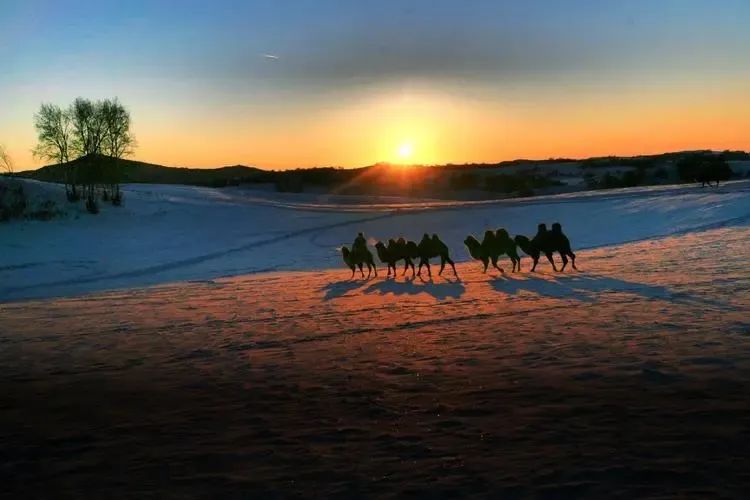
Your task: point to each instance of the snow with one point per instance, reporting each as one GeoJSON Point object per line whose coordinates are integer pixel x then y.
{"type": "Point", "coordinates": [177, 233]}
{"type": "Point", "coordinates": [629, 377]}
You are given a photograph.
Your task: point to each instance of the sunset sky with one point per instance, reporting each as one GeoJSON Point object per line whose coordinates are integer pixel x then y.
{"type": "Point", "coordinates": [302, 83]}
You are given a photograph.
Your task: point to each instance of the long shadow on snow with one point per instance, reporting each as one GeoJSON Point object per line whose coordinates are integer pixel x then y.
{"type": "Point", "coordinates": [338, 289]}
{"type": "Point", "coordinates": [440, 291]}
{"type": "Point", "coordinates": [446, 289]}
{"type": "Point", "coordinates": [587, 288]}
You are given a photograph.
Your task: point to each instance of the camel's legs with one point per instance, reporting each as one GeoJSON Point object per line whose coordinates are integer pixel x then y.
{"type": "Point", "coordinates": [573, 260]}
{"type": "Point", "coordinates": [424, 262]}
{"type": "Point", "coordinates": [494, 264]}
{"type": "Point", "coordinates": [442, 265]}
{"type": "Point", "coordinates": [536, 261]}
{"type": "Point", "coordinates": [551, 260]}
{"type": "Point", "coordinates": [360, 270]}
{"type": "Point", "coordinates": [565, 261]}
{"type": "Point", "coordinates": [453, 266]}
{"type": "Point", "coordinates": [486, 263]}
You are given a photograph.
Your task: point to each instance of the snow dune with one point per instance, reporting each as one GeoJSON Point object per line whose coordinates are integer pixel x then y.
{"type": "Point", "coordinates": [176, 233]}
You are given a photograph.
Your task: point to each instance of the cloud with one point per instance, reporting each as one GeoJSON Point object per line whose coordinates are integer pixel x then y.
{"type": "Point", "coordinates": [271, 57]}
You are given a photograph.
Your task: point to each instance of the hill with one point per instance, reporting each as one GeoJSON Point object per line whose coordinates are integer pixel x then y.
{"type": "Point", "coordinates": [149, 173]}
{"type": "Point", "coordinates": [521, 177]}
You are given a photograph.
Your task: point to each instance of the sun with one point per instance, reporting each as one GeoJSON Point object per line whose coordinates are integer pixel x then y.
{"type": "Point", "coordinates": [405, 150]}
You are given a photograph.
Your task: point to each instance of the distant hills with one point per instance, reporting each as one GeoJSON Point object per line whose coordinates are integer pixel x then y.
{"type": "Point", "coordinates": [150, 173]}
{"type": "Point", "coordinates": [507, 178]}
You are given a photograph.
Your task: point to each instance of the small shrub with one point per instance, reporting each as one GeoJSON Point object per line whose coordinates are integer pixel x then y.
{"type": "Point", "coordinates": [117, 199]}
{"type": "Point", "coordinates": [91, 205]}
{"type": "Point", "coordinates": [72, 195]}
{"type": "Point", "coordinates": [12, 201]}
{"type": "Point", "coordinates": [661, 173]}
{"type": "Point", "coordinates": [46, 210]}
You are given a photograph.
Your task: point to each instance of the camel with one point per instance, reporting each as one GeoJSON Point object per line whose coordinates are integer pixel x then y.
{"type": "Point", "coordinates": [507, 246]}
{"type": "Point", "coordinates": [430, 248]}
{"type": "Point", "coordinates": [537, 246]}
{"type": "Point", "coordinates": [387, 255]}
{"type": "Point", "coordinates": [404, 250]}
{"type": "Point", "coordinates": [357, 258]}
{"type": "Point", "coordinates": [485, 251]}
{"type": "Point", "coordinates": [561, 244]}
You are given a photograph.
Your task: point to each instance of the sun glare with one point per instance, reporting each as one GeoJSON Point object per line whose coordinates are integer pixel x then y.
{"type": "Point", "coordinates": [405, 150]}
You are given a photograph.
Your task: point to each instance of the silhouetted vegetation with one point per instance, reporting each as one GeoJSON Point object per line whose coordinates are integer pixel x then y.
{"type": "Point", "coordinates": [704, 168]}
{"type": "Point", "coordinates": [6, 162]}
{"type": "Point", "coordinates": [521, 184]}
{"type": "Point", "coordinates": [12, 200]}
{"type": "Point", "coordinates": [96, 134]}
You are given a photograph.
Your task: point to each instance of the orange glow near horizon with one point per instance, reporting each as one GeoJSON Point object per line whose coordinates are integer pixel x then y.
{"type": "Point", "coordinates": [423, 127]}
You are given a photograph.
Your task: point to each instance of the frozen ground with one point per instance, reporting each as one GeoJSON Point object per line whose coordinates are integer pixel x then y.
{"type": "Point", "coordinates": [176, 233]}
{"type": "Point", "coordinates": [628, 379]}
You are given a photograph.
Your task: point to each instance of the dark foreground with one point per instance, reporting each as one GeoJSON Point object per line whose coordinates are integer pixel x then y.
{"type": "Point", "coordinates": [622, 381]}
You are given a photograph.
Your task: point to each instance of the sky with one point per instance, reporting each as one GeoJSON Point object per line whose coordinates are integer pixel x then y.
{"type": "Point", "coordinates": [298, 83]}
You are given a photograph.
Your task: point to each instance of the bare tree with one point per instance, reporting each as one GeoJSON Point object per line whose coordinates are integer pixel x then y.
{"type": "Point", "coordinates": [6, 162]}
{"type": "Point", "coordinates": [88, 137]}
{"type": "Point", "coordinates": [88, 127]}
{"type": "Point", "coordinates": [118, 140]}
{"type": "Point", "coordinates": [54, 128]}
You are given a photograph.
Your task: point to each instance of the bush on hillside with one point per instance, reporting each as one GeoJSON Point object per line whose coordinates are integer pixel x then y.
{"type": "Point", "coordinates": [91, 205]}
{"type": "Point", "coordinates": [12, 201]}
{"type": "Point", "coordinates": [703, 167]}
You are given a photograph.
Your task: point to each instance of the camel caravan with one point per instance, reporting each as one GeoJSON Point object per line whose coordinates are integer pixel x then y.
{"type": "Point", "coordinates": [494, 245]}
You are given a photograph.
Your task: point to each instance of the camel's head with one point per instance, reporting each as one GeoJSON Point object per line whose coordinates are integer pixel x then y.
{"type": "Point", "coordinates": [471, 242]}
{"type": "Point", "coordinates": [556, 228]}
{"type": "Point", "coordinates": [521, 240]}
{"type": "Point", "coordinates": [345, 252]}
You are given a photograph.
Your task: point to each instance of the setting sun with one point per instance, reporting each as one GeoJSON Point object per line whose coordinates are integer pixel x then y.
{"type": "Point", "coordinates": [405, 150]}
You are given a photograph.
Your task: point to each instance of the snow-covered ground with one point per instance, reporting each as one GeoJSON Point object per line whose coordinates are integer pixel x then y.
{"type": "Point", "coordinates": [628, 379]}
{"type": "Point", "coordinates": [176, 233]}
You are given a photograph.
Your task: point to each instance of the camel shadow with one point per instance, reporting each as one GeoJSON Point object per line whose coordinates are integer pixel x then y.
{"type": "Point", "coordinates": [338, 289]}
{"type": "Point", "coordinates": [449, 288]}
{"type": "Point", "coordinates": [588, 288]}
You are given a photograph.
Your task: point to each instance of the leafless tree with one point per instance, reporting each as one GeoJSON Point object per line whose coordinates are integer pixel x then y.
{"type": "Point", "coordinates": [118, 140]}
{"type": "Point", "coordinates": [88, 138]}
{"type": "Point", "coordinates": [54, 132]}
{"type": "Point", "coordinates": [6, 162]}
